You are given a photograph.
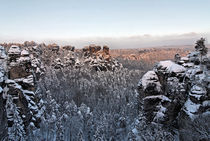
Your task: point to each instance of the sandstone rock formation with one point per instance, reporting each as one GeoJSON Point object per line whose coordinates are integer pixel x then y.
{"type": "Point", "coordinates": [99, 60]}
{"type": "Point", "coordinates": [91, 56]}
{"type": "Point", "coordinates": [176, 90]}
{"type": "Point", "coordinates": [54, 47]}
{"type": "Point", "coordinates": [70, 48]}
{"type": "Point", "coordinates": [19, 91]}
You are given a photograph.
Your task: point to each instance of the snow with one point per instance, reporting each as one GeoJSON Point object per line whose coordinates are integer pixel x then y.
{"type": "Point", "coordinates": [176, 68]}
{"type": "Point", "coordinates": [194, 71]}
{"type": "Point", "coordinates": [196, 96]}
{"type": "Point", "coordinates": [170, 67]}
{"type": "Point", "coordinates": [1, 89]}
{"type": "Point", "coordinates": [1, 77]}
{"type": "Point", "coordinates": [32, 124]}
{"type": "Point", "coordinates": [2, 53]}
{"type": "Point", "coordinates": [33, 107]}
{"type": "Point", "coordinates": [40, 113]}
{"type": "Point", "coordinates": [185, 59]}
{"type": "Point", "coordinates": [9, 81]}
{"type": "Point", "coordinates": [29, 80]}
{"type": "Point", "coordinates": [14, 50]}
{"type": "Point", "coordinates": [150, 77]}
{"type": "Point", "coordinates": [34, 47]}
{"type": "Point", "coordinates": [198, 90]}
{"type": "Point", "coordinates": [13, 84]}
{"type": "Point", "coordinates": [160, 114]}
{"type": "Point", "coordinates": [165, 64]}
{"type": "Point", "coordinates": [24, 59]}
{"type": "Point", "coordinates": [206, 103]}
{"type": "Point", "coordinates": [190, 108]}
{"type": "Point", "coordinates": [135, 131]}
{"type": "Point", "coordinates": [27, 92]}
{"type": "Point", "coordinates": [162, 97]}
{"type": "Point", "coordinates": [181, 62]}
{"type": "Point", "coordinates": [193, 54]}
{"type": "Point", "coordinates": [24, 53]}
{"type": "Point", "coordinates": [188, 65]}
{"type": "Point", "coordinates": [13, 64]}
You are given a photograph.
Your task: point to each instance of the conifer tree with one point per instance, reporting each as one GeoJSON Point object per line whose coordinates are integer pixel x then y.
{"type": "Point", "coordinates": [200, 47]}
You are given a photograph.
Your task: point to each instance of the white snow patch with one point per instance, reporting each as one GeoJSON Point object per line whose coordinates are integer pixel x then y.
{"type": "Point", "coordinates": [206, 103]}
{"type": "Point", "coordinates": [24, 53]}
{"type": "Point", "coordinates": [176, 68]}
{"type": "Point", "coordinates": [32, 124]}
{"type": "Point", "coordinates": [24, 59]}
{"type": "Point", "coordinates": [188, 65]}
{"type": "Point", "coordinates": [1, 89]}
{"type": "Point", "coordinates": [29, 80]}
{"type": "Point", "coordinates": [28, 93]}
{"type": "Point", "coordinates": [14, 50]}
{"type": "Point", "coordinates": [1, 77]}
{"type": "Point", "coordinates": [190, 108]}
{"type": "Point", "coordinates": [165, 64]}
{"type": "Point", "coordinates": [170, 67]}
{"type": "Point", "coordinates": [148, 78]}
{"type": "Point", "coordinates": [198, 90]}
{"type": "Point", "coordinates": [160, 114]}
{"type": "Point", "coordinates": [135, 131]}
{"type": "Point", "coordinates": [185, 59]}
{"type": "Point", "coordinates": [162, 97]}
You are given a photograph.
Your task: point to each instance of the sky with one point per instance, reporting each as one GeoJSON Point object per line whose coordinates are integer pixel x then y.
{"type": "Point", "coordinates": [72, 21]}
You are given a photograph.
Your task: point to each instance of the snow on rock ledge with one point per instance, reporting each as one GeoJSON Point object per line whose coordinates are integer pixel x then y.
{"type": "Point", "coordinates": [175, 90]}
{"type": "Point", "coordinates": [150, 79]}
{"type": "Point", "coordinates": [170, 67]}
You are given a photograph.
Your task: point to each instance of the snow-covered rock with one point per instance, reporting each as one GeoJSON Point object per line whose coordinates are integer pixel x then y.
{"type": "Point", "coordinates": [14, 50]}
{"type": "Point", "coordinates": [17, 79]}
{"type": "Point", "coordinates": [150, 79]}
{"type": "Point", "coordinates": [24, 53]}
{"type": "Point", "coordinates": [174, 88]}
{"type": "Point", "coordinates": [170, 67]}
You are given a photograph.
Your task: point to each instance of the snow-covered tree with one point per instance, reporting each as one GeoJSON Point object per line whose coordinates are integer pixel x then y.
{"type": "Point", "coordinates": [16, 131]}
{"type": "Point", "coordinates": [200, 47]}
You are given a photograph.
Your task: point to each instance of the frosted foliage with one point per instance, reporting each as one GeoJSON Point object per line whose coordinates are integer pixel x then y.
{"type": "Point", "coordinates": [16, 132]}
{"type": "Point", "coordinates": [86, 105]}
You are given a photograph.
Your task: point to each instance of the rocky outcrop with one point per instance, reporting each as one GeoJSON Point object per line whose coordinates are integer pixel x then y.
{"type": "Point", "coordinates": [54, 47]}
{"type": "Point", "coordinates": [176, 90]}
{"type": "Point", "coordinates": [20, 71]}
{"type": "Point", "coordinates": [65, 58]}
{"type": "Point", "coordinates": [29, 43]}
{"type": "Point", "coordinates": [99, 60]}
{"type": "Point", "coordinates": [91, 56]}
{"type": "Point", "coordinates": [91, 50]}
{"type": "Point", "coordinates": [3, 117]}
{"type": "Point", "coordinates": [69, 48]}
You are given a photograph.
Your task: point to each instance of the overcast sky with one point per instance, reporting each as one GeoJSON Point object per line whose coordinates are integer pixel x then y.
{"type": "Point", "coordinates": [69, 21]}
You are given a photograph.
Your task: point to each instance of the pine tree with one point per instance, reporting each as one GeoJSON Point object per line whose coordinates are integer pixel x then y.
{"type": "Point", "coordinates": [200, 47]}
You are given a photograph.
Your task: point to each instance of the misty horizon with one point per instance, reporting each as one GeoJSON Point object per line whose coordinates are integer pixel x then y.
{"type": "Point", "coordinates": [121, 42]}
